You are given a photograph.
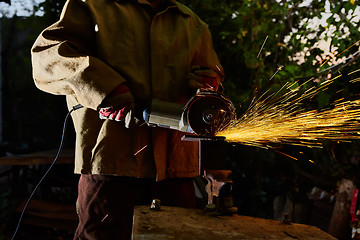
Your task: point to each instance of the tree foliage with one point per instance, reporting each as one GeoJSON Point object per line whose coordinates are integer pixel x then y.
{"type": "Point", "coordinates": [288, 32]}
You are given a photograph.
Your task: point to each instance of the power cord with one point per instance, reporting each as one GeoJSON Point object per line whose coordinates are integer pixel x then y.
{"type": "Point", "coordinates": [52, 164]}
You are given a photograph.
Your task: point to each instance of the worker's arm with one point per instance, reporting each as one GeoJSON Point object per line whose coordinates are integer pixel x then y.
{"type": "Point", "coordinates": [65, 61]}
{"type": "Point", "coordinates": [206, 71]}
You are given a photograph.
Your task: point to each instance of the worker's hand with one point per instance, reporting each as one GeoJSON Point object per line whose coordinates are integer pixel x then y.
{"type": "Point", "coordinates": [117, 113]}
{"type": "Point", "coordinates": [111, 109]}
{"type": "Point", "coordinates": [203, 78]}
{"type": "Point", "coordinates": [136, 113]}
{"type": "Point", "coordinates": [131, 113]}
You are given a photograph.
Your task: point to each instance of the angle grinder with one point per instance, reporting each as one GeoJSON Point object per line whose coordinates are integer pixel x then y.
{"type": "Point", "coordinates": [205, 114]}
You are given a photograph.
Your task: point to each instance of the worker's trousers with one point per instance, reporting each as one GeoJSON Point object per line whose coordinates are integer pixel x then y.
{"type": "Point", "coordinates": [105, 204]}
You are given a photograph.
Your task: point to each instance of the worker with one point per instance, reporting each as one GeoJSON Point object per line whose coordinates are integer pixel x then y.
{"type": "Point", "coordinates": [113, 57]}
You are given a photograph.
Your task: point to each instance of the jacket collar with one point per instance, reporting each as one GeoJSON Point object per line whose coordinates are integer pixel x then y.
{"type": "Point", "coordinates": [179, 6]}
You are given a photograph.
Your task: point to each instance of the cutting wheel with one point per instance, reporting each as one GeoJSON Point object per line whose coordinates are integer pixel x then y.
{"type": "Point", "coordinates": [209, 112]}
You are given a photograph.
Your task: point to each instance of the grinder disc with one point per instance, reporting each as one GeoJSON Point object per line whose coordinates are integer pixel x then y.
{"type": "Point", "coordinates": [209, 112]}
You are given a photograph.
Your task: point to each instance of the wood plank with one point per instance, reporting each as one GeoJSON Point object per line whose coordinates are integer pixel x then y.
{"type": "Point", "coordinates": [50, 215]}
{"type": "Point", "coordinates": [49, 210]}
{"type": "Point", "coordinates": [68, 225]}
{"type": "Point", "coordinates": [46, 157]}
{"type": "Point", "coordinates": [181, 223]}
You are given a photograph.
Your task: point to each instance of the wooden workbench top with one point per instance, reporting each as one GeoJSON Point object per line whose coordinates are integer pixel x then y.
{"type": "Point", "coordinates": [181, 223]}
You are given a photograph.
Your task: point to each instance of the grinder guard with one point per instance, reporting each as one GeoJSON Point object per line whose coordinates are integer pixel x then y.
{"type": "Point", "coordinates": [206, 113]}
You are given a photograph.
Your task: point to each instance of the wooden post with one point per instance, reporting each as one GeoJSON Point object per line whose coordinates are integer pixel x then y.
{"type": "Point", "coordinates": [339, 226]}
{"type": "Point", "coordinates": [1, 99]}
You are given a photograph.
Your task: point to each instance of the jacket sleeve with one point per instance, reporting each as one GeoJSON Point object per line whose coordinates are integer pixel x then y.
{"type": "Point", "coordinates": [65, 62]}
{"type": "Point", "coordinates": [206, 56]}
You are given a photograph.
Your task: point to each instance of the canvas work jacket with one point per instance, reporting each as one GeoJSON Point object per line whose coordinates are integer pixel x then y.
{"type": "Point", "coordinates": [98, 45]}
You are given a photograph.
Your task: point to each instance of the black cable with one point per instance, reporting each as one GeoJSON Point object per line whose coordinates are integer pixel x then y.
{"type": "Point", "coordinates": [52, 164]}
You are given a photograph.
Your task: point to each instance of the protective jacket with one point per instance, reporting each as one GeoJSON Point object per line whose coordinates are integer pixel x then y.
{"type": "Point", "coordinates": [98, 45]}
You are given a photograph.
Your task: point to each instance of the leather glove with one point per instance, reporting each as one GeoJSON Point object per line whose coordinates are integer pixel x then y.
{"type": "Point", "coordinates": [118, 112]}
{"type": "Point", "coordinates": [132, 112]}
{"type": "Point", "coordinates": [203, 78]}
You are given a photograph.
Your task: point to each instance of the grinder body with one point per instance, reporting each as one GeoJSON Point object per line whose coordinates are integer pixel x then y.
{"type": "Point", "coordinates": [205, 114]}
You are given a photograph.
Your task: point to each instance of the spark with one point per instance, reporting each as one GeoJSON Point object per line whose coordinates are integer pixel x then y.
{"type": "Point", "coordinates": [328, 58]}
{"type": "Point", "coordinates": [348, 48]}
{"type": "Point", "coordinates": [217, 67]}
{"type": "Point", "coordinates": [262, 46]}
{"type": "Point", "coordinates": [277, 70]}
{"type": "Point", "coordinates": [105, 217]}
{"type": "Point", "coordinates": [357, 70]}
{"type": "Point", "coordinates": [355, 80]}
{"type": "Point", "coordinates": [281, 118]}
{"type": "Point", "coordinates": [340, 75]}
{"type": "Point", "coordinates": [140, 150]}
{"type": "Point", "coordinates": [287, 155]}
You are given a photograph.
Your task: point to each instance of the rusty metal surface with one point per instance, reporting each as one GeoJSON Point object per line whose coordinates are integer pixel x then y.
{"type": "Point", "coordinates": [180, 223]}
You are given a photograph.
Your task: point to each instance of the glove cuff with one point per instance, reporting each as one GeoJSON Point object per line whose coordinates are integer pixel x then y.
{"type": "Point", "coordinates": [121, 95]}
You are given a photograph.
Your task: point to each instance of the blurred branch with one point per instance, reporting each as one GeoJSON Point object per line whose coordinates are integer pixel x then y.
{"type": "Point", "coordinates": [6, 1]}
{"type": "Point", "coordinates": [337, 67]}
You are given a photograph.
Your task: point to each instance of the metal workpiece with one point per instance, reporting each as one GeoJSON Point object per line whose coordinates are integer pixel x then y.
{"type": "Point", "coordinates": [155, 205]}
{"type": "Point", "coordinates": [202, 138]}
{"type": "Point", "coordinates": [219, 192]}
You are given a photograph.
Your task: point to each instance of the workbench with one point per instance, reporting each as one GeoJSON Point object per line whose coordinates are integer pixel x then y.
{"type": "Point", "coordinates": [37, 158]}
{"type": "Point", "coordinates": [16, 170]}
{"type": "Point", "coordinates": [184, 224]}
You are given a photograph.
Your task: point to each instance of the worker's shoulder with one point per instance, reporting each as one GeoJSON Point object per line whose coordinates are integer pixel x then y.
{"type": "Point", "coordinates": [186, 10]}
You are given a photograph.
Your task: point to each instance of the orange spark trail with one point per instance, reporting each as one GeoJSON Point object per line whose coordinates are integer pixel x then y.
{"type": "Point", "coordinates": [283, 120]}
